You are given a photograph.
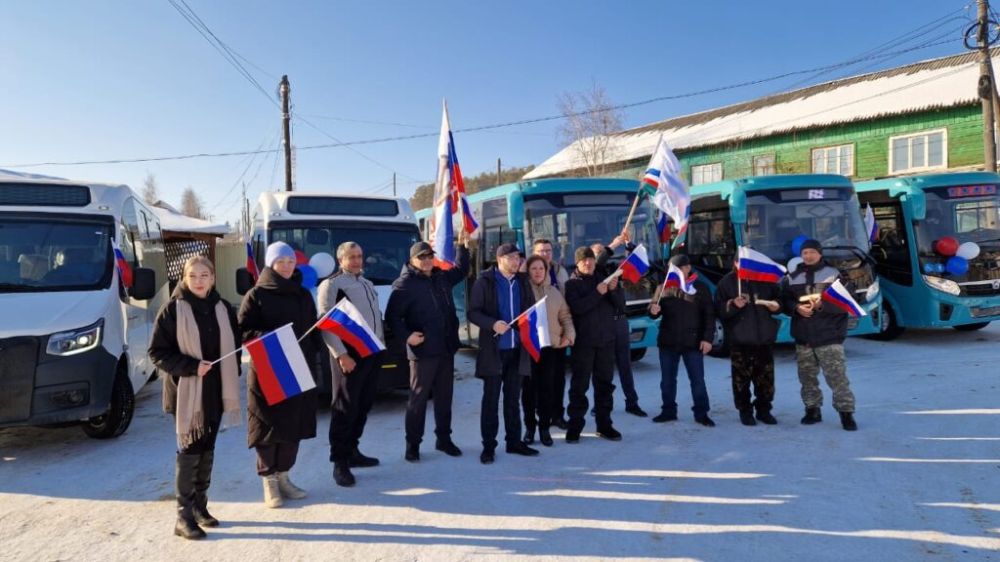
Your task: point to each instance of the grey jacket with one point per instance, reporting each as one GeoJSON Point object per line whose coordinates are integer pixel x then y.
{"type": "Point", "coordinates": [362, 295]}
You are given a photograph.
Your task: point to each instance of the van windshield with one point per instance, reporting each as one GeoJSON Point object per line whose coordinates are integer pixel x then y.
{"type": "Point", "coordinates": [54, 253]}
{"type": "Point", "coordinates": [386, 246]}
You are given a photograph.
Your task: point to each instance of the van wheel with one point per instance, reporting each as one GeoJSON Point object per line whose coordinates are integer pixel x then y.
{"type": "Point", "coordinates": [890, 328]}
{"type": "Point", "coordinates": [971, 327]}
{"type": "Point", "coordinates": [116, 420]}
{"type": "Point", "coordinates": [637, 354]}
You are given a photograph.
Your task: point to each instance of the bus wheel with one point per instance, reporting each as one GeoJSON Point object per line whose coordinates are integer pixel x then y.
{"type": "Point", "coordinates": [116, 420]}
{"type": "Point", "coordinates": [889, 325]}
{"type": "Point", "coordinates": [971, 327]}
{"type": "Point", "coordinates": [637, 354]}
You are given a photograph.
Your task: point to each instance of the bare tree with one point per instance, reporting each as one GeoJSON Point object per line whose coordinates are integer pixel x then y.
{"type": "Point", "coordinates": [590, 120]}
{"type": "Point", "coordinates": [191, 204]}
{"type": "Point", "coordinates": [150, 191]}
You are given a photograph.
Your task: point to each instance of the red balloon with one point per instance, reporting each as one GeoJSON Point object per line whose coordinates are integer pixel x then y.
{"type": "Point", "coordinates": [301, 259]}
{"type": "Point", "coordinates": [946, 246]}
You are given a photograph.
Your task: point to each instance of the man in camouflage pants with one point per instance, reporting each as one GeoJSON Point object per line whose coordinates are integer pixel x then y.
{"type": "Point", "coordinates": [819, 333]}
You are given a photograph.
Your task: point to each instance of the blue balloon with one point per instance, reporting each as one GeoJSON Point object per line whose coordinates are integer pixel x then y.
{"type": "Point", "coordinates": [939, 268]}
{"type": "Point", "coordinates": [797, 243]}
{"type": "Point", "coordinates": [309, 277]}
{"type": "Point", "coordinates": [957, 265]}
{"type": "Point", "coordinates": [930, 267]}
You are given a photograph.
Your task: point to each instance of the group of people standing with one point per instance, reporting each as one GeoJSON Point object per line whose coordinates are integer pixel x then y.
{"type": "Point", "coordinates": [585, 313]}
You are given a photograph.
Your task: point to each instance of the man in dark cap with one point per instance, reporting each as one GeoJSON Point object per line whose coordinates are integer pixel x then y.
{"type": "Point", "coordinates": [819, 332]}
{"type": "Point", "coordinates": [421, 312]}
{"type": "Point", "coordinates": [593, 303]}
{"type": "Point", "coordinates": [500, 295]}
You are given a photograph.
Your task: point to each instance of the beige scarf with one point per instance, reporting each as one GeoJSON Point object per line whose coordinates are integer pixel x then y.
{"type": "Point", "coordinates": [190, 415]}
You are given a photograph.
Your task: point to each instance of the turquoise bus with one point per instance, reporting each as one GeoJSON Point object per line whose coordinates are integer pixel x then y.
{"type": "Point", "coordinates": [570, 213]}
{"type": "Point", "coordinates": [767, 213]}
{"type": "Point", "coordinates": [922, 287]}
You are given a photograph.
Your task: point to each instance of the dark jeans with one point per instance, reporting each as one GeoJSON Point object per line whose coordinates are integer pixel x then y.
{"type": "Point", "coordinates": [623, 359]}
{"type": "Point", "coordinates": [276, 457]}
{"type": "Point", "coordinates": [694, 364]}
{"type": "Point", "coordinates": [753, 364]}
{"type": "Point", "coordinates": [559, 400]}
{"type": "Point", "coordinates": [349, 411]}
{"type": "Point", "coordinates": [540, 395]}
{"type": "Point", "coordinates": [597, 364]}
{"type": "Point", "coordinates": [426, 374]}
{"type": "Point", "coordinates": [509, 381]}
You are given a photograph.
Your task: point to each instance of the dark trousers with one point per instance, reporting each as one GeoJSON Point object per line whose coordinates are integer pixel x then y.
{"type": "Point", "coordinates": [753, 364]}
{"type": "Point", "coordinates": [559, 379]}
{"type": "Point", "coordinates": [193, 470]}
{"type": "Point", "coordinates": [597, 364]}
{"type": "Point", "coordinates": [207, 441]}
{"type": "Point", "coordinates": [541, 396]}
{"type": "Point", "coordinates": [276, 457]}
{"type": "Point", "coordinates": [694, 364]}
{"type": "Point", "coordinates": [427, 374]}
{"type": "Point", "coordinates": [349, 411]}
{"type": "Point", "coordinates": [623, 359]}
{"type": "Point", "coordinates": [509, 381]}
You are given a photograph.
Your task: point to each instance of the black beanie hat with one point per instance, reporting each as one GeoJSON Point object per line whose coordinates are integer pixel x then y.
{"type": "Point", "coordinates": [680, 260]}
{"type": "Point", "coordinates": [811, 245]}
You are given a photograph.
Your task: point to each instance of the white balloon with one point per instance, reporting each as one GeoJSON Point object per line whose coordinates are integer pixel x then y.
{"type": "Point", "coordinates": [324, 264]}
{"type": "Point", "coordinates": [793, 263]}
{"type": "Point", "coordinates": [968, 250]}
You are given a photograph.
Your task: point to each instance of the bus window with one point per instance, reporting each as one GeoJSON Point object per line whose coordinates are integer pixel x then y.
{"type": "Point", "coordinates": [891, 251]}
{"type": "Point", "coordinates": [709, 241]}
{"type": "Point", "coordinates": [492, 239]}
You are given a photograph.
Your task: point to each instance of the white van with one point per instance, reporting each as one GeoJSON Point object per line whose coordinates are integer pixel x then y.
{"type": "Point", "coordinates": [73, 338]}
{"type": "Point", "coordinates": [385, 227]}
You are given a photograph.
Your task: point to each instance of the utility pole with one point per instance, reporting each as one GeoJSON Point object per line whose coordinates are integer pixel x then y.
{"type": "Point", "coordinates": [243, 211]}
{"type": "Point", "coordinates": [394, 184]}
{"type": "Point", "coordinates": [285, 90]}
{"type": "Point", "coordinates": [498, 171]}
{"type": "Point", "coordinates": [986, 87]}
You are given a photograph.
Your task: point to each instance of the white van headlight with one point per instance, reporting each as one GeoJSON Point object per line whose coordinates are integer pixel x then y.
{"type": "Point", "coordinates": [946, 285]}
{"type": "Point", "coordinates": [872, 291]}
{"type": "Point", "coordinates": [75, 341]}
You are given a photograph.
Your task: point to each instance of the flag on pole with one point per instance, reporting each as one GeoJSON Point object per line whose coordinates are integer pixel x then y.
{"type": "Point", "coordinates": [663, 228]}
{"type": "Point", "coordinates": [677, 280]}
{"type": "Point", "coordinates": [838, 295]}
{"type": "Point", "coordinates": [755, 266]}
{"type": "Point", "coordinates": [252, 263]}
{"type": "Point", "coordinates": [871, 227]}
{"type": "Point", "coordinates": [449, 198]}
{"type": "Point", "coordinates": [671, 195]}
{"type": "Point", "coordinates": [346, 322]}
{"type": "Point", "coordinates": [282, 371]}
{"type": "Point", "coordinates": [124, 269]}
{"type": "Point", "coordinates": [533, 327]}
{"type": "Point", "coordinates": [636, 264]}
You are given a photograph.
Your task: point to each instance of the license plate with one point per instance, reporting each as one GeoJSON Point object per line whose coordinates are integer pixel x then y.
{"type": "Point", "coordinates": [978, 312]}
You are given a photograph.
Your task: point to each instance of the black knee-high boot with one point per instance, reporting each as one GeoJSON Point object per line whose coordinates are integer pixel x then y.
{"type": "Point", "coordinates": [184, 488]}
{"type": "Point", "coordinates": [203, 479]}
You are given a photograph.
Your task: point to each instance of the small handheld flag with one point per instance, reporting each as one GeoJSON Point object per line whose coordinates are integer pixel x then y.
{"type": "Point", "coordinates": [252, 263]}
{"type": "Point", "coordinates": [838, 295]}
{"type": "Point", "coordinates": [755, 266]}
{"type": "Point", "coordinates": [533, 327]}
{"type": "Point", "coordinates": [346, 322]}
{"type": "Point", "coordinates": [663, 228]}
{"type": "Point", "coordinates": [871, 227]}
{"type": "Point", "coordinates": [282, 371]}
{"type": "Point", "coordinates": [636, 264]}
{"type": "Point", "coordinates": [677, 280]}
{"type": "Point", "coordinates": [124, 269]}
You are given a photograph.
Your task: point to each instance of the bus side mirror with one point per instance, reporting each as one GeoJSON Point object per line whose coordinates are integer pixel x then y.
{"type": "Point", "coordinates": [244, 281]}
{"type": "Point", "coordinates": [738, 206]}
{"type": "Point", "coordinates": [918, 204]}
{"type": "Point", "coordinates": [143, 284]}
{"type": "Point", "coordinates": [515, 210]}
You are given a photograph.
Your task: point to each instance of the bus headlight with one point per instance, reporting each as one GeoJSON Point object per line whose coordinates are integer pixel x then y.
{"type": "Point", "coordinates": [75, 341]}
{"type": "Point", "coordinates": [945, 285]}
{"type": "Point", "coordinates": [872, 291]}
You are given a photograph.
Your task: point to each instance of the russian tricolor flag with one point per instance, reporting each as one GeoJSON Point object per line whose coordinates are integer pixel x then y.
{"type": "Point", "coordinates": [449, 198]}
{"type": "Point", "coordinates": [533, 327]}
{"type": "Point", "coordinates": [347, 323]}
{"type": "Point", "coordinates": [636, 264]}
{"type": "Point", "coordinates": [252, 263]}
{"type": "Point", "coordinates": [282, 371]}
{"type": "Point", "coordinates": [124, 269]}
{"type": "Point", "coordinates": [755, 266]}
{"type": "Point", "coordinates": [663, 228]}
{"type": "Point", "coordinates": [871, 227]}
{"type": "Point", "coordinates": [838, 295]}
{"type": "Point", "coordinates": [677, 280]}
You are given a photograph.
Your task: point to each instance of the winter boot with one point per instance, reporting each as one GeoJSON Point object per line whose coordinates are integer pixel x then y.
{"type": "Point", "coordinates": [359, 460]}
{"type": "Point", "coordinates": [272, 493]}
{"type": "Point", "coordinates": [765, 417]}
{"type": "Point", "coordinates": [203, 479]}
{"type": "Point", "coordinates": [529, 434]}
{"type": "Point", "coordinates": [746, 417]}
{"type": "Point", "coordinates": [544, 436]}
{"type": "Point", "coordinates": [186, 526]}
{"type": "Point", "coordinates": [813, 415]}
{"type": "Point", "coordinates": [289, 490]}
{"type": "Point", "coordinates": [342, 475]}
{"type": "Point", "coordinates": [847, 420]}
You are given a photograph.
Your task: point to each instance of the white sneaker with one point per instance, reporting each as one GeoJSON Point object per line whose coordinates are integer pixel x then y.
{"type": "Point", "coordinates": [272, 491]}
{"type": "Point", "coordinates": [288, 489]}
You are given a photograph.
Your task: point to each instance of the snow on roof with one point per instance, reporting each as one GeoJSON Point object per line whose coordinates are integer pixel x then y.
{"type": "Point", "coordinates": [936, 83]}
{"type": "Point", "coordinates": [173, 221]}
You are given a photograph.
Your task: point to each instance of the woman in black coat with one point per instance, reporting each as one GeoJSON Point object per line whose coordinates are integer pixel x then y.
{"type": "Point", "coordinates": [193, 329]}
{"type": "Point", "coordinates": [275, 431]}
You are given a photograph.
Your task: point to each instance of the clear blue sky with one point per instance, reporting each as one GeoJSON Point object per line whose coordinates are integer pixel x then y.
{"type": "Point", "coordinates": [103, 80]}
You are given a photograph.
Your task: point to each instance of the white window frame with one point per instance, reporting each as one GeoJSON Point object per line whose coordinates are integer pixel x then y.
{"type": "Point", "coordinates": [772, 167]}
{"type": "Point", "coordinates": [825, 149]}
{"type": "Point", "coordinates": [700, 169]}
{"type": "Point", "coordinates": [925, 167]}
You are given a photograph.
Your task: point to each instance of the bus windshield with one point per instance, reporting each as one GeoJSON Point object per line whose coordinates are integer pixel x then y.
{"type": "Point", "coordinates": [831, 216]}
{"type": "Point", "coordinates": [386, 246]}
{"type": "Point", "coordinates": [965, 218]}
{"type": "Point", "coordinates": [54, 253]}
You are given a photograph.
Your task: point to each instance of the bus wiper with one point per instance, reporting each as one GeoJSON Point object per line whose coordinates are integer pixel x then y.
{"type": "Point", "coordinates": [860, 253]}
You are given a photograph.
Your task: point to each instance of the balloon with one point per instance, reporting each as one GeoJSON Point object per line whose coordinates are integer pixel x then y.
{"type": "Point", "coordinates": [939, 268]}
{"type": "Point", "coordinates": [968, 250]}
{"type": "Point", "coordinates": [946, 246]}
{"type": "Point", "coordinates": [957, 265]}
{"type": "Point", "coordinates": [300, 258]}
{"type": "Point", "coordinates": [797, 244]}
{"type": "Point", "coordinates": [793, 264]}
{"type": "Point", "coordinates": [308, 276]}
{"type": "Point", "coordinates": [324, 264]}
{"type": "Point", "coordinates": [930, 268]}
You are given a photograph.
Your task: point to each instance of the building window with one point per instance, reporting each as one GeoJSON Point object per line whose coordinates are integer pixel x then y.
{"type": "Point", "coordinates": [707, 173]}
{"type": "Point", "coordinates": [918, 153]}
{"type": "Point", "coordinates": [763, 165]}
{"type": "Point", "coordinates": [834, 160]}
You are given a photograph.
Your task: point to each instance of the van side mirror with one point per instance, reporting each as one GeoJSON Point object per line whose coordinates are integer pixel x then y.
{"type": "Point", "coordinates": [143, 284]}
{"type": "Point", "coordinates": [244, 281]}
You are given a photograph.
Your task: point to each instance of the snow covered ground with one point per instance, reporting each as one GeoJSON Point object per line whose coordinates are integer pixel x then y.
{"type": "Point", "coordinates": [919, 481]}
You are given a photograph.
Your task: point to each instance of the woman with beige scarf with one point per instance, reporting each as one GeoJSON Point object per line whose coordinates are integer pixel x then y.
{"type": "Point", "coordinates": [193, 329]}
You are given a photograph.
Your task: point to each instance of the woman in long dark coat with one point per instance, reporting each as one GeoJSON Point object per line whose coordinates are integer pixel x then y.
{"type": "Point", "coordinates": [193, 329]}
{"type": "Point", "coordinates": [275, 431]}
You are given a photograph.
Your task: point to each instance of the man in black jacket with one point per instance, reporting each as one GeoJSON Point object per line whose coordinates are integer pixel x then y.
{"type": "Point", "coordinates": [819, 333]}
{"type": "Point", "coordinates": [499, 296]}
{"type": "Point", "coordinates": [686, 332]}
{"type": "Point", "coordinates": [593, 304]}
{"type": "Point", "coordinates": [421, 312]}
{"type": "Point", "coordinates": [746, 308]}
